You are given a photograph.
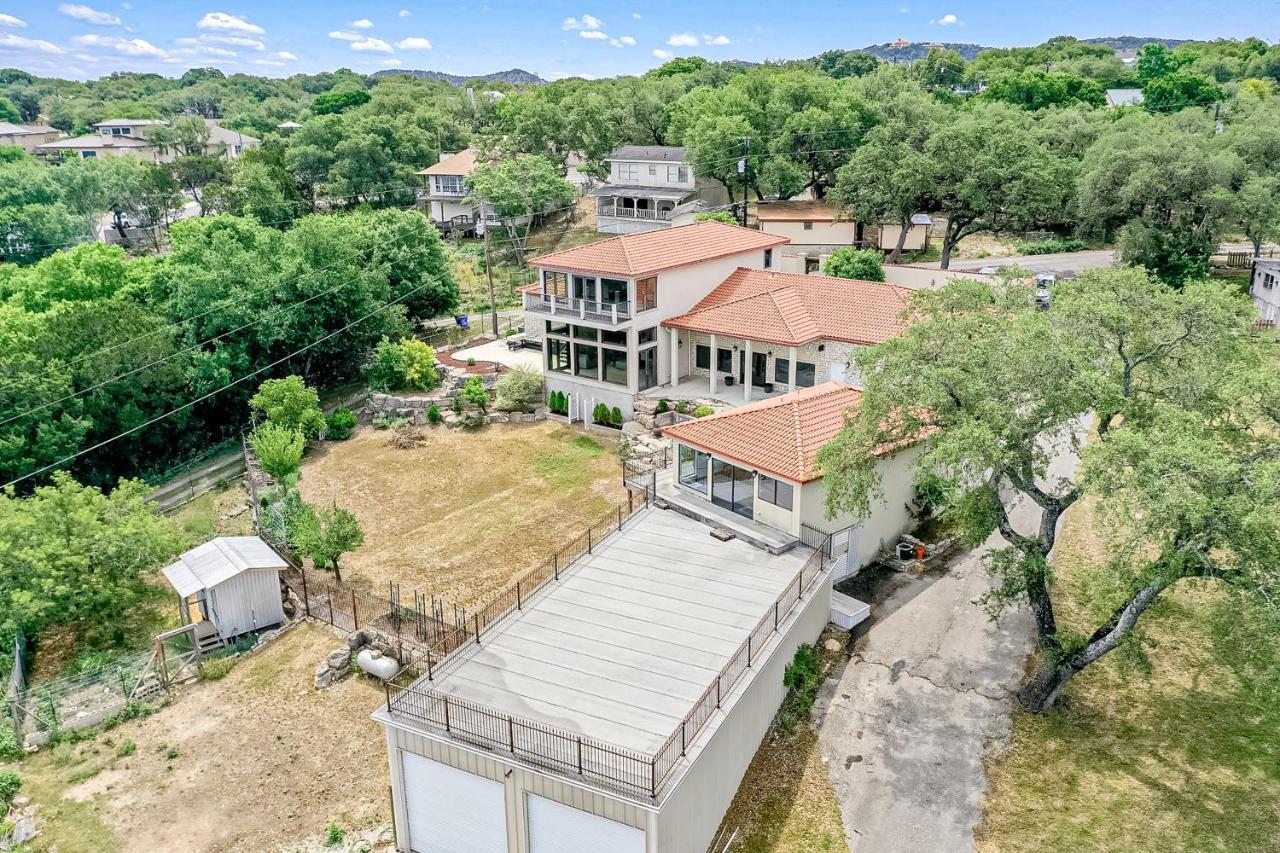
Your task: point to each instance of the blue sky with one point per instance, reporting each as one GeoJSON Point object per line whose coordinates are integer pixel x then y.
{"type": "Point", "coordinates": [554, 39]}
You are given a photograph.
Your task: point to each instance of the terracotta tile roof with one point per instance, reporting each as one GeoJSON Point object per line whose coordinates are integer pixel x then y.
{"type": "Point", "coordinates": [796, 211]}
{"type": "Point", "coordinates": [790, 309]}
{"type": "Point", "coordinates": [455, 164]}
{"type": "Point", "coordinates": [649, 252]}
{"type": "Point", "coordinates": [780, 436]}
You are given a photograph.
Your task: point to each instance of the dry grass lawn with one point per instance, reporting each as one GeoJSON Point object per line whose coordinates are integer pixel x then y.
{"type": "Point", "coordinates": [467, 513]}
{"type": "Point", "coordinates": [1187, 759]}
{"type": "Point", "coordinates": [252, 762]}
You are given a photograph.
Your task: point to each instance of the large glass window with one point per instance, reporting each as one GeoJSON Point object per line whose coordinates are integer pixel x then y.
{"type": "Point", "coordinates": [618, 339]}
{"type": "Point", "coordinates": [782, 370]}
{"type": "Point", "coordinates": [613, 291]}
{"type": "Point", "coordinates": [451, 184]}
{"type": "Point", "coordinates": [693, 468]}
{"type": "Point", "coordinates": [588, 360]}
{"type": "Point", "coordinates": [557, 328]}
{"type": "Point", "coordinates": [615, 365]}
{"type": "Point", "coordinates": [648, 367]}
{"type": "Point", "coordinates": [732, 487]}
{"type": "Point", "coordinates": [647, 336]}
{"type": "Point", "coordinates": [646, 294]}
{"type": "Point", "coordinates": [556, 284]}
{"type": "Point", "coordinates": [805, 374]}
{"type": "Point", "coordinates": [775, 492]}
{"type": "Point", "coordinates": [724, 360]}
{"type": "Point", "coordinates": [584, 288]}
{"type": "Point", "coordinates": [586, 333]}
{"type": "Point", "coordinates": [557, 355]}
{"type": "Point", "coordinates": [702, 357]}
{"type": "Point", "coordinates": [628, 171]}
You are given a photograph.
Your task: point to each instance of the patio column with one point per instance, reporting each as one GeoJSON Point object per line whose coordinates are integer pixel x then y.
{"type": "Point", "coordinates": [791, 371]}
{"type": "Point", "coordinates": [746, 372]}
{"type": "Point", "coordinates": [714, 362]}
{"type": "Point", "coordinates": [675, 356]}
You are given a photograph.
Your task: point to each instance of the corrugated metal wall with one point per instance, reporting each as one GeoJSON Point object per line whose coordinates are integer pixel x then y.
{"type": "Point", "coordinates": [247, 602]}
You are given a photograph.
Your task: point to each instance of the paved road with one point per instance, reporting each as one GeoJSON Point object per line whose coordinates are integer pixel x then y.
{"type": "Point", "coordinates": [1065, 264]}
{"type": "Point", "coordinates": [929, 689]}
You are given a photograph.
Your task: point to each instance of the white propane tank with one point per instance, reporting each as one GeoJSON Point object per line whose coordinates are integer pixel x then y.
{"type": "Point", "coordinates": [376, 663]}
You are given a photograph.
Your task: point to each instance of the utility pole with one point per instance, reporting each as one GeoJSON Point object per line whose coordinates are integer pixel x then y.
{"type": "Point", "coordinates": [744, 169]}
{"type": "Point", "coordinates": [488, 269]}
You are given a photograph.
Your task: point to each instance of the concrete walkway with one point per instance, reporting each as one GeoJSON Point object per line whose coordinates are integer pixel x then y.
{"type": "Point", "coordinates": [928, 691]}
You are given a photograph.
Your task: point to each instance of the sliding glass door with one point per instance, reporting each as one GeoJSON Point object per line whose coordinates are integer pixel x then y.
{"type": "Point", "coordinates": [732, 487]}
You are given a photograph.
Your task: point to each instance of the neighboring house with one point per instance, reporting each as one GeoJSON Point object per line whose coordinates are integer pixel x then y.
{"type": "Point", "coordinates": [815, 229]}
{"type": "Point", "coordinates": [648, 187]}
{"type": "Point", "coordinates": [446, 192]}
{"type": "Point", "coordinates": [915, 277]}
{"type": "Point", "coordinates": [598, 309]}
{"type": "Point", "coordinates": [1123, 97]}
{"type": "Point", "coordinates": [1264, 288]}
{"type": "Point", "coordinates": [28, 137]}
{"type": "Point", "coordinates": [229, 586]}
{"type": "Point", "coordinates": [616, 709]}
{"type": "Point", "coordinates": [132, 137]}
{"type": "Point", "coordinates": [761, 332]}
{"type": "Point", "coordinates": [761, 462]}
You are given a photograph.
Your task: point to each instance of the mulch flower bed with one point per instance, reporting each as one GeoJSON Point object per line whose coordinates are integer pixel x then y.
{"type": "Point", "coordinates": [480, 368]}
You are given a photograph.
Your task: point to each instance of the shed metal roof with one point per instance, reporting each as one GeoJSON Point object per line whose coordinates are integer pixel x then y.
{"type": "Point", "coordinates": [659, 153]}
{"type": "Point", "coordinates": [219, 560]}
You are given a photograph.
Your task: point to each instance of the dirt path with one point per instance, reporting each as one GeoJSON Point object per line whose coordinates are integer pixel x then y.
{"type": "Point", "coordinates": [262, 759]}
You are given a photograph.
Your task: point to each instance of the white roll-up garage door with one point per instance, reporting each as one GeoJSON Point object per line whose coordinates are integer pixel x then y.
{"type": "Point", "coordinates": [557, 828]}
{"type": "Point", "coordinates": [451, 810]}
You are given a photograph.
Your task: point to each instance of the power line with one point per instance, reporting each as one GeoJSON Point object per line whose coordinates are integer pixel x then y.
{"type": "Point", "coordinates": [201, 399]}
{"type": "Point", "coordinates": [189, 349]}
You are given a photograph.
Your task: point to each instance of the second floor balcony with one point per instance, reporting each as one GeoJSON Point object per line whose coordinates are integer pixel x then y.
{"type": "Point", "coordinates": [583, 309]}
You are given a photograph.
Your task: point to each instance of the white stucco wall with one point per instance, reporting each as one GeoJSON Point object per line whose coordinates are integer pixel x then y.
{"type": "Point", "coordinates": [915, 237]}
{"type": "Point", "coordinates": [821, 234]}
{"type": "Point", "coordinates": [1266, 299]}
{"type": "Point", "coordinates": [925, 278]}
{"type": "Point", "coordinates": [889, 519]}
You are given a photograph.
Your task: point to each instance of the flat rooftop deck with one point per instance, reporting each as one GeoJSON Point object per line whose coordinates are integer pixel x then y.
{"type": "Point", "coordinates": [624, 645]}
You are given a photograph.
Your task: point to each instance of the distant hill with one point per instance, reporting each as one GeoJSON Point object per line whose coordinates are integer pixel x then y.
{"type": "Point", "coordinates": [1133, 42]}
{"type": "Point", "coordinates": [514, 76]}
{"type": "Point", "coordinates": [920, 49]}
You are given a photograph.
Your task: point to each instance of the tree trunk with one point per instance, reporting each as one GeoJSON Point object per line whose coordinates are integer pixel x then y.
{"type": "Point", "coordinates": [902, 240]}
{"type": "Point", "coordinates": [337, 572]}
{"type": "Point", "coordinates": [948, 243]}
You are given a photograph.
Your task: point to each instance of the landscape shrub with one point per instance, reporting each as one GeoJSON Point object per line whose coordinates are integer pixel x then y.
{"type": "Point", "coordinates": [615, 416]}
{"type": "Point", "coordinates": [433, 414]}
{"type": "Point", "coordinates": [385, 421]}
{"type": "Point", "coordinates": [558, 403]}
{"type": "Point", "coordinates": [409, 365]}
{"type": "Point", "coordinates": [10, 784]}
{"type": "Point", "coordinates": [126, 748]}
{"type": "Point", "coordinates": [474, 394]}
{"type": "Point", "coordinates": [335, 835]}
{"type": "Point", "coordinates": [703, 411]}
{"type": "Point", "coordinates": [519, 389]}
{"type": "Point", "coordinates": [1050, 246]}
{"type": "Point", "coordinates": [212, 670]}
{"type": "Point", "coordinates": [456, 403]}
{"type": "Point", "coordinates": [278, 449]}
{"type": "Point", "coordinates": [471, 361]}
{"type": "Point", "coordinates": [802, 678]}
{"type": "Point", "coordinates": [682, 407]}
{"type": "Point", "coordinates": [600, 414]}
{"type": "Point", "coordinates": [862, 264]}
{"type": "Point", "coordinates": [9, 748]}
{"type": "Point", "coordinates": [342, 423]}
{"type": "Point", "coordinates": [663, 406]}
{"type": "Point", "coordinates": [290, 403]}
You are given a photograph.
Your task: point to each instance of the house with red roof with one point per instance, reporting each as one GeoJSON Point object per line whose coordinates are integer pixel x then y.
{"type": "Point", "coordinates": [599, 310]}
{"type": "Point", "coordinates": [760, 462]}
{"type": "Point", "coordinates": [761, 333]}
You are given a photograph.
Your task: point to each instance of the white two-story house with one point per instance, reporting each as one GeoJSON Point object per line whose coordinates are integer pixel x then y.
{"type": "Point", "coordinates": [648, 188]}
{"type": "Point", "coordinates": [132, 137]}
{"type": "Point", "coordinates": [598, 309]}
{"type": "Point", "coordinates": [1264, 289]}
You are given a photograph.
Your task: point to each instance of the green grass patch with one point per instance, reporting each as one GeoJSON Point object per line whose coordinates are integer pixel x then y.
{"type": "Point", "coordinates": [567, 463]}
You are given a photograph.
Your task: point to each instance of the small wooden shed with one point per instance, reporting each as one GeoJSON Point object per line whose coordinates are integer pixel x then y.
{"type": "Point", "coordinates": [230, 584]}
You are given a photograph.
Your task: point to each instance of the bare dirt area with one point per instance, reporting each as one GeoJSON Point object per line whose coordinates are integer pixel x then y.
{"type": "Point", "coordinates": [467, 512]}
{"type": "Point", "coordinates": [252, 762]}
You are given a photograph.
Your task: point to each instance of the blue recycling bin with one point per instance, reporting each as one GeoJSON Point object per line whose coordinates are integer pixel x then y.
{"type": "Point", "coordinates": [463, 321]}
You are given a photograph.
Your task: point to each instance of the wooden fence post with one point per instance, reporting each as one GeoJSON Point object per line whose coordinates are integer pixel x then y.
{"type": "Point", "coordinates": [355, 615]}
{"type": "Point", "coordinates": [306, 599]}
{"type": "Point", "coordinates": [328, 591]}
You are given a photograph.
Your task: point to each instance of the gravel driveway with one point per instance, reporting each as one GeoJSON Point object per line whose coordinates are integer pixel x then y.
{"type": "Point", "coordinates": [929, 689]}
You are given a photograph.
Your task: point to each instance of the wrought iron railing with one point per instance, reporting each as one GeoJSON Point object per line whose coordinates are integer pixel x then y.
{"type": "Point", "coordinates": [572, 306]}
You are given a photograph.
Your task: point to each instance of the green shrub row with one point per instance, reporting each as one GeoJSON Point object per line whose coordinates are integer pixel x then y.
{"type": "Point", "coordinates": [605, 416]}
{"type": "Point", "coordinates": [1051, 246]}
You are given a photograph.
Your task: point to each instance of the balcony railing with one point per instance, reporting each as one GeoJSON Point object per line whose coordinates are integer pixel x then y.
{"type": "Point", "coordinates": [634, 213]}
{"type": "Point", "coordinates": [584, 309]}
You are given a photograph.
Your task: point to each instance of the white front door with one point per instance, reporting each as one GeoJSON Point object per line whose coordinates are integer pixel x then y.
{"type": "Point", "coordinates": [452, 811]}
{"type": "Point", "coordinates": [557, 828]}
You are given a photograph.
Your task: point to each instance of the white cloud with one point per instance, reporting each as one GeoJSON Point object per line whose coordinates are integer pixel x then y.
{"type": "Point", "coordinates": [904, 10]}
{"type": "Point", "coordinates": [272, 62]}
{"type": "Point", "coordinates": [683, 40]}
{"type": "Point", "coordinates": [662, 54]}
{"type": "Point", "coordinates": [128, 47]}
{"type": "Point", "coordinates": [388, 63]}
{"type": "Point", "coordinates": [623, 41]}
{"type": "Point", "coordinates": [89, 16]}
{"type": "Point", "coordinates": [285, 55]}
{"type": "Point", "coordinates": [363, 24]}
{"type": "Point", "coordinates": [206, 50]}
{"type": "Point", "coordinates": [223, 21]}
{"type": "Point", "coordinates": [11, 21]}
{"type": "Point", "coordinates": [8, 41]}
{"type": "Point", "coordinates": [345, 36]}
{"type": "Point", "coordinates": [565, 75]}
{"type": "Point", "coordinates": [715, 40]}
{"type": "Point", "coordinates": [372, 45]}
{"type": "Point", "coordinates": [235, 41]}
{"type": "Point", "coordinates": [404, 13]}
{"type": "Point", "coordinates": [635, 15]}
{"type": "Point", "coordinates": [946, 21]}
{"type": "Point", "coordinates": [586, 22]}
{"type": "Point", "coordinates": [414, 43]}
{"type": "Point", "coordinates": [594, 35]}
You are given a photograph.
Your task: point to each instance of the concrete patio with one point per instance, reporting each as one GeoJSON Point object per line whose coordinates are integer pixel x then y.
{"type": "Point", "coordinates": [698, 388]}
{"type": "Point", "coordinates": [498, 352]}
